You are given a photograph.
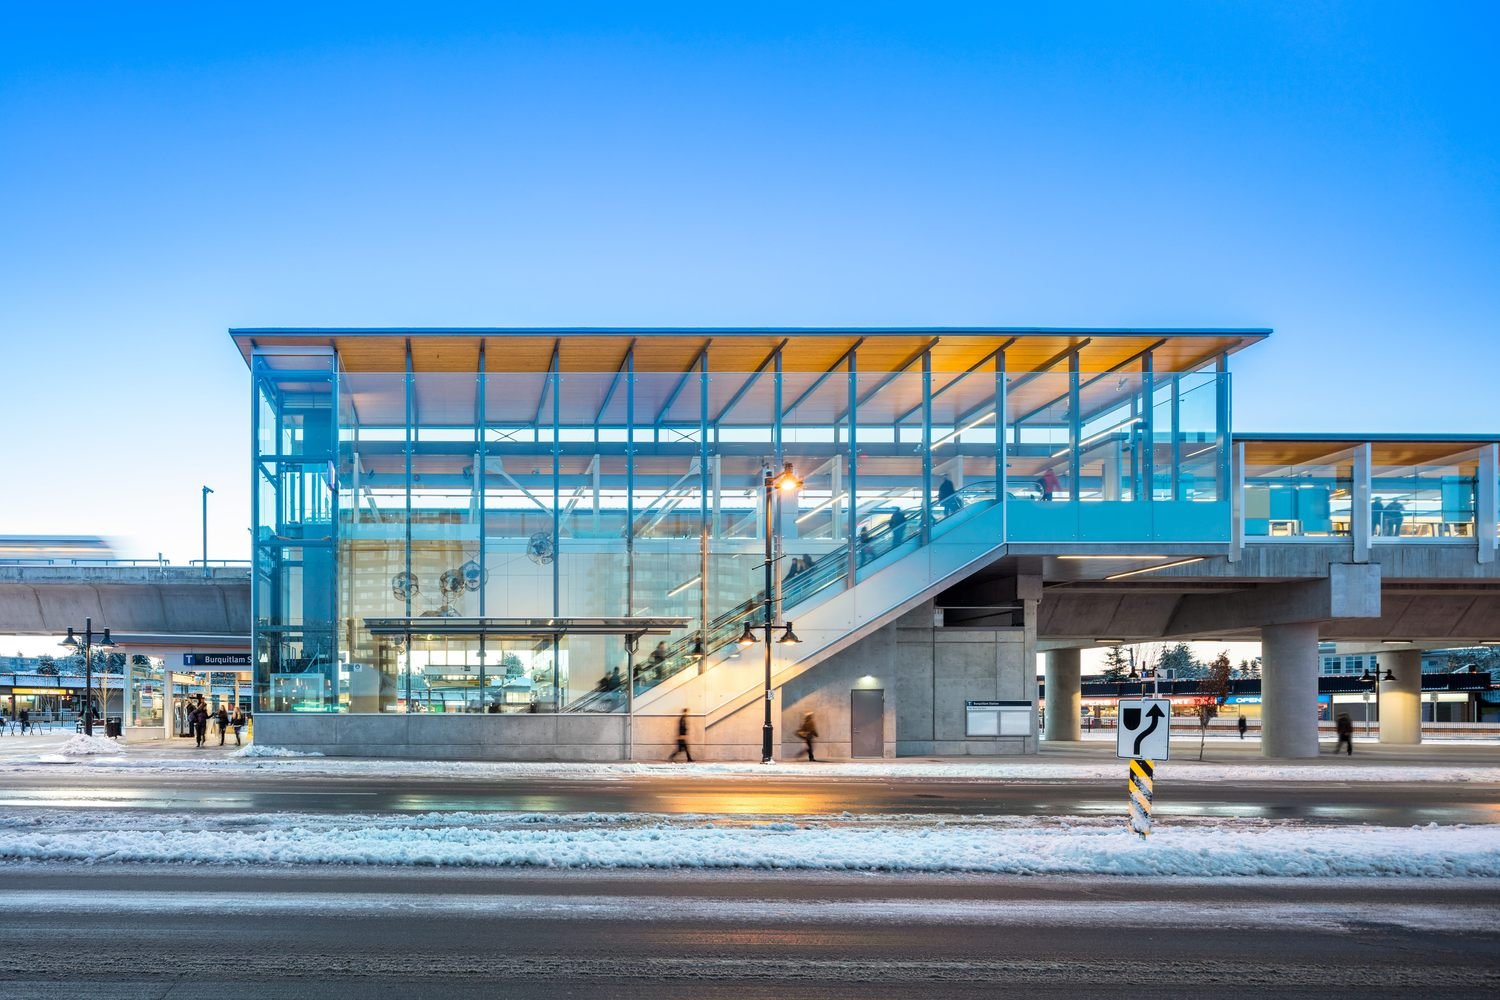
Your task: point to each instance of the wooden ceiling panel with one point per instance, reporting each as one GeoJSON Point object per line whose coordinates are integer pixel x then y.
{"type": "Point", "coordinates": [744, 349]}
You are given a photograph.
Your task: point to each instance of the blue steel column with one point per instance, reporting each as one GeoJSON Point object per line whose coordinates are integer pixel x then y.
{"type": "Point", "coordinates": [261, 675]}
{"type": "Point", "coordinates": [410, 431]}
{"type": "Point", "coordinates": [852, 480]}
{"type": "Point", "coordinates": [481, 386]}
{"type": "Point", "coordinates": [1002, 472]}
{"type": "Point", "coordinates": [703, 556]}
{"type": "Point", "coordinates": [556, 528]}
{"type": "Point", "coordinates": [1148, 426]}
{"type": "Point", "coordinates": [1176, 436]}
{"type": "Point", "coordinates": [630, 487]}
{"type": "Point", "coordinates": [926, 447]}
{"type": "Point", "coordinates": [776, 414]}
{"type": "Point", "coordinates": [1221, 416]}
{"type": "Point", "coordinates": [1075, 429]}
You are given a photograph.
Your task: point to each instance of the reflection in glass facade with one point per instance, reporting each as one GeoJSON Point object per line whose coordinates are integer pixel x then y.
{"type": "Point", "coordinates": [557, 493]}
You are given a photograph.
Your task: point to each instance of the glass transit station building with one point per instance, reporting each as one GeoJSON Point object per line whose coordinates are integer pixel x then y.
{"type": "Point", "coordinates": [553, 542]}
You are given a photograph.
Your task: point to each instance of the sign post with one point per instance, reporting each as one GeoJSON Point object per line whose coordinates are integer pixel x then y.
{"type": "Point", "coordinates": [1142, 736]}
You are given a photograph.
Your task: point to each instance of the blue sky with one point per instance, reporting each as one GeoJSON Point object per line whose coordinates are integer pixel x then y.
{"type": "Point", "coordinates": [1331, 170]}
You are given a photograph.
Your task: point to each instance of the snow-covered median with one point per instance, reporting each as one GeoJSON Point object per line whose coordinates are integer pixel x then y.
{"type": "Point", "coordinates": [258, 751]}
{"type": "Point", "coordinates": [261, 758]}
{"type": "Point", "coordinates": [892, 843]}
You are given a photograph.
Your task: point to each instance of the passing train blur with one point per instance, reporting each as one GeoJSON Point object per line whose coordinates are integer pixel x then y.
{"type": "Point", "coordinates": [54, 549]}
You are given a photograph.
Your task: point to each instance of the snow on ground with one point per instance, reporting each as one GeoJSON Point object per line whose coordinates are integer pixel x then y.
{"type": "Point", "coordinates": [256, 750]}
{"type": "Point", "coordinates": [293, 763]}
{"type": "Point", "coordinates": [89, 746]}
{"type": "Point", "coordinates": [1078, 846]}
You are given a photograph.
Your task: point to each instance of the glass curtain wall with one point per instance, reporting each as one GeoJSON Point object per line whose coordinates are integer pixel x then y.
{"type": "Point", "coordinates": [293, 509]}
{"type": "Point", "coordinates": [491, 494]}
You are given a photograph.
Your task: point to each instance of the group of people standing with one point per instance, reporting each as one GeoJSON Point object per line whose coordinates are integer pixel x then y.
{"type": "Point", "coordinates": [199, 716]}
{"type": "Point", "coordinates": [1386, 518]}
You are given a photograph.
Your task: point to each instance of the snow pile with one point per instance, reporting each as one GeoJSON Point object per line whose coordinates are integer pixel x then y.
{"type": "Point", "coordinates": [899, 844]}
{"type": "Point", "coordinates": [89, 746]}
{"type": "Point", "coordinates": [256, 750]}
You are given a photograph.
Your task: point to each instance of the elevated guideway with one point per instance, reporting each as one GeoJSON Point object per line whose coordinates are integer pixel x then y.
{"type": "Point", "coordinates": [146, 598]}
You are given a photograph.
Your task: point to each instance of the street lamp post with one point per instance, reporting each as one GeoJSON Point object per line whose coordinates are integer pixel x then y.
{"type": "Point", "coordinates": [206, 492]}
{"type": "Point", "coordinates": [785, 480]}
{"type": "Point", "coordinates": [85, 643]}
{"type": "Point", "coordinates": [1374, 678]}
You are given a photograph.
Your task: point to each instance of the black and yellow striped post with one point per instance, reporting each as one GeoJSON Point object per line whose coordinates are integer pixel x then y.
{"type": "Point", "coordinates": [1141, 774]}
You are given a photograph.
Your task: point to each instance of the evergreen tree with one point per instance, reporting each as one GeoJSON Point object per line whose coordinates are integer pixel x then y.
{"type": "Point", "coordinates": [1178, 663]}
{"type": "Point", "coordinates": [1115, 664]}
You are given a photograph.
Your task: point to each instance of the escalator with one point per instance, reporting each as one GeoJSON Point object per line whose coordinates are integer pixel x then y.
{"type": "Point", "coordinates": [892, 566]}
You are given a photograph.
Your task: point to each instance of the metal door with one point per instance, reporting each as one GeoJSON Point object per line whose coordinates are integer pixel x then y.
{"type": "Point", "coordinates": [867, 723]}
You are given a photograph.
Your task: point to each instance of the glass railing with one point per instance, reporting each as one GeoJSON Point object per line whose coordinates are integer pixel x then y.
{"type": "Point", "coordinates": [882, 534]}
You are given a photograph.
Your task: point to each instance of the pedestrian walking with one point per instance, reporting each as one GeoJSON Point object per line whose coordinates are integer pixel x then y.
{"type": "Point", "coordinates": [807, 732]}
{"type": "Point", "coordinates": [25, 721]}
{"type": "Point", "coordinates": [200, 725]}
{"type": "Point", "coordinates": [1377, 516]}
{"type": "Point", "coordinates": [1244, 724]}
{"type": "Point", "coordinates": [237, 721]}
{"type": "Point", "coordinates": [221, 717]}
{"type": "Point", "coordinates": [682, 735]}
{"type": "Point", "coordinates": [1345, 729]}
{"type": "Point", "coordinates": [1050, 484]}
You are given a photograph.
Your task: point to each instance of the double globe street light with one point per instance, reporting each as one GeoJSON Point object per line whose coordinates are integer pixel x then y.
{"type": "Point", "coordinates": [785, 481]}
{"type": "Point", "coordinates": [85, 644]}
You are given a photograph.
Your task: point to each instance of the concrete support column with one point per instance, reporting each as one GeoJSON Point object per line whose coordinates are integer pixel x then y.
{"type": "Point", "coordinates": [1401, 699]}
{"type": "Point", "coordinates": [1064, 696]}
{"type": "Point", "coordinates": [1289, 690]}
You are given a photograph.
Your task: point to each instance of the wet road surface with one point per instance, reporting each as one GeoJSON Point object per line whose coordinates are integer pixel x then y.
{"type": "Point", "coordinates": [162, 932]}
{"type": "Point", "coordinates": [1372, 802]}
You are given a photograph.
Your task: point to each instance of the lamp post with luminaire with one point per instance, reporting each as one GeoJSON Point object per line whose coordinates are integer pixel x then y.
{"type": "Point", "coordinates": [785, 481]}
{"type": "Point", "coordinates": [1374, 678]}
{"type": "Point", "coordinates": [84, 644]}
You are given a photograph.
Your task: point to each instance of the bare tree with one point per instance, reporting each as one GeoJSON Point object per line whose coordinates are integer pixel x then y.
{"type": "Point", "coordinates": [1212, 690]}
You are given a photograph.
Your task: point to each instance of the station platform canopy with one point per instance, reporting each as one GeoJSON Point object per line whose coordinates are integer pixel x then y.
{"type": "Point", "coordinates": [745, 349]}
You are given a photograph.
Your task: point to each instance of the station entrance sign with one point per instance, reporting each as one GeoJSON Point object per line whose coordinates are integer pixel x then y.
{"type": "Point", "coordinates": [1145, 728]}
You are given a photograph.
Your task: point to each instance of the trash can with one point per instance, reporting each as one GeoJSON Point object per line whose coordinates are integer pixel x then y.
{"type": "Point", "coordinates": [112, 728]}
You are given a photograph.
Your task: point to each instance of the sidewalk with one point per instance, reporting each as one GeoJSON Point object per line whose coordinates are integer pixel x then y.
{"type": "Point", "coordinates": [1092, 761]}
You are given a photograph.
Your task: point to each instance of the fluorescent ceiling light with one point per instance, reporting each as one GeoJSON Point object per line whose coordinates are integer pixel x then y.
{"type": "Point", "coordinates": [1112, 557]}
{"type": "Point", "coordinates": [684, 586]}
{"type": "Point", "coordinates": [1153, 569]}
{"type": "Point", "coordinates": [966, 427]}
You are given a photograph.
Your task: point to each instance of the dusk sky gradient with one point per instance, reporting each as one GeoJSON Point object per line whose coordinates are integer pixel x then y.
{"type": "Point", "coordinates": [1331, 170]}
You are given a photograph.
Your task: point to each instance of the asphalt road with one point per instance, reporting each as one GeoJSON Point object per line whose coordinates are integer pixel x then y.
{"type": "Point", "coordinates": [164, 932]}
{"type": "Point", "coordinates": [1372, 802]}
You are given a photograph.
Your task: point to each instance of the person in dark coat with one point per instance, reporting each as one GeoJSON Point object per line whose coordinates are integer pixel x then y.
{"type": "Point", "coordinates": [946, 498]}
{"type": "Point", "coordinates": [1377, 516]}
{"type": "Point", "coordinates": [682, 735]}
{"type": "Point", "coordinates": [1345, 730]}
{"type": "Point", "coordinates": [807, 732]}
{"type": "Point", "coordinates": [222, 718]}
{"type": "Point", "coordinates": [1395, 515]}
{"type": "Point", "coordinates": [1244, 724]}
{"type": "Point", "coordinates": [898, 527]}
{"type": "Point", "coordinates": [200, 723]}
{"type": "Point", "coordinates": [25, 718]}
